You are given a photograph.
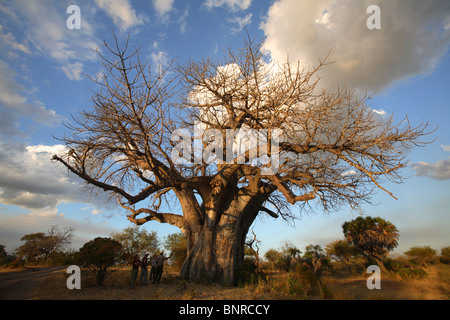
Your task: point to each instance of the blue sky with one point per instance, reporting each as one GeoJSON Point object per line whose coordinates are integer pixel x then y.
{"type": "Point", "coordinates": [42, 83]}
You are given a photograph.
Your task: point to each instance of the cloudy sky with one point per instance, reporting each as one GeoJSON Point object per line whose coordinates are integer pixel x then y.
{"type": "Point", "coordinates": [43, 65]}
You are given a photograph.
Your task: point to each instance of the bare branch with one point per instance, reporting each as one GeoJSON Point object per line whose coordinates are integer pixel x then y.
{"type": "Point", "coordinates": [333, 149]}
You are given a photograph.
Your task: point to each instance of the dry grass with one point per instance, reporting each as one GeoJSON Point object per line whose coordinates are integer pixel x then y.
{"type": "Point", "coordinates": [435, 286]}
{"type": "Point", "coordinates": [117, 287]}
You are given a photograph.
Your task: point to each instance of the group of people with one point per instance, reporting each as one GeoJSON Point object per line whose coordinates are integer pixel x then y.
{"type": "Point", "coordinates": [157, 265]}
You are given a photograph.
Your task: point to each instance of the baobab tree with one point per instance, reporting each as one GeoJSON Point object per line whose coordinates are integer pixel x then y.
{"type": "Point", "coordinates": [178, 132]}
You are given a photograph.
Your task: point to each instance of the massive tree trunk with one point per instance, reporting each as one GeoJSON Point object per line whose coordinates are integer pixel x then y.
{"type": "Point", "coordinates": [216, 248]}
{"type": "Point", "coordinates": [216, 253]}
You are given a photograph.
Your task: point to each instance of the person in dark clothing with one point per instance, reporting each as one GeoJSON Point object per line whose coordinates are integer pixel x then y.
{"type": "Point", "coordinates": [144, 271]}
{"type": "Point", "coordinates": [152, 269]}
{"type": "Point", "coordinates": [134, 270]}
{"type": "Point", "coordinates": [159, 267]}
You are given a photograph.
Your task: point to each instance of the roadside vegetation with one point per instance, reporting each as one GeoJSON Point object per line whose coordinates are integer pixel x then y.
{"type": "Point", "coordinates": [336, 271]}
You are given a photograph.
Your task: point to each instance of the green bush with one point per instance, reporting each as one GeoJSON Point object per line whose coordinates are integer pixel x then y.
{"type": "Point", "coordinates": [422, 256]}
{"type": "Point", "coordinates": [411, 273]}
{"type": "Point", "coordinates": [99, 255]}
{"type": "Point", "coordinates": [445, 255]}
{"type": "Point", "coordinates": [247, 273]}
{"type": "Point", "coordinates": [5, 258]}
{"type": "Point", "coordinates": [298, 286]}
{"type": "Point", "coordinates": [404, 269]}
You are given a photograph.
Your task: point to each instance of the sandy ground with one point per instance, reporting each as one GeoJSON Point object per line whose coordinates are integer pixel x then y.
{"type": "Point", "coordinates": [22, 284]}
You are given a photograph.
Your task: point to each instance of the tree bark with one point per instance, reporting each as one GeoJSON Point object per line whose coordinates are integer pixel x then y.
{"type": "Point", "coordinates": [216, 252]}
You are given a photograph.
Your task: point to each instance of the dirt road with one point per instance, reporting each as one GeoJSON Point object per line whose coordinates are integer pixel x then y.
{"type": "Point", "coordinates": [21, 285]}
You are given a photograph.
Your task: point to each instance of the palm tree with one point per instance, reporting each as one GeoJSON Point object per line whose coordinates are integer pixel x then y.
{"type": "Point", "coordinates": [374, 237]}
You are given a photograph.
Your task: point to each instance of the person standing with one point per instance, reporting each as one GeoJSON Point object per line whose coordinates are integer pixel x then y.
{"type": "Point", "coordinates": [144, 271]}
{"type": "Point", "coordinates": [152, 269]}
{"type": "Point", "coordinates": [159, 267]}
{"type": "Point", "coordinates": [134, 270]}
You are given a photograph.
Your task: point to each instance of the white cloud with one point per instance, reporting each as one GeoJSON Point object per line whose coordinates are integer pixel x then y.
{"type": "Point", "coordinates": [438, 171]}
{"type": "Point", "coordinates": [44, 32]}
{"type": "Point", "coordinates": [96, 211]}
{"type": "Point", "coordinates": [46, 29]}
{"type": "Point", "coordinates": [159, 58]}
{"type": "Point", "coordinates": [29, 179]}
{"type": "Point", "coordinates": [349, 173]}
{"type": "Point", "coordinates": [241, 22]}
{"type": "Point", "coordinates": [13, 227]}
{"type": "Point", "coordinates": [8, 11]}
{"type": "Point", "coordinates": [121, 12]}
{"type": "Point", "coordinates": [10, 40]}
{"type": "Point", "coordinates": [182, 20]}
{"type": "Point", "coordinates": [231, 4]}
{"type": "Point", "coordinates": [412, 40]}
{"type": "Point", "coordinates": [14, 104]}
{"type": "Point", "coordinates": [381, 112]}
{"type": "Point", "coordinates": [163, 7]}
{"type": "Point", "coordinates": [73, 71]}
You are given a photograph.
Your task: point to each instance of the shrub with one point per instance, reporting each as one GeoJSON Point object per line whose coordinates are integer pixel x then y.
{"type": "Point", "coordinates": [445, 255]}
{"type": "Point", "coordinates": [404, 269]}
{"type": "Point", "coordinates": [98, 255]}
{"type": "Point", "coordinates": [342, 250]}
{"type": "Point", "coordinates": [247, 272]}
{"type": "Point", "coordinates": [411, 273]}
{"type": "Point", "coordinates": [298, 285]}
{"type": "Point", "coordinates": [308, 273]}
{"type": "Point", "coordinates": [5, 258]}
{"type": "Point", "coordinates": [423, 256]}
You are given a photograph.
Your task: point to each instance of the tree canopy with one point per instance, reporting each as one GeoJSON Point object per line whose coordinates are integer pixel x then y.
{"type": "Point", "coordinates": [41, 246]}
{"type": "Point", "coordinates": [99, 255]}
{"type": "Point", "coordinates": [135, 240]}
{"type": "Point", "coordinates": [229, 140]}
{"type": "Point", "coordinates": [374, 237]}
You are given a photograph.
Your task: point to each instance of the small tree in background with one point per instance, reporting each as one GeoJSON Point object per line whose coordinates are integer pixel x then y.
{"type": "Point", "coordinates": [289, 257]}
{"type": "Point", "coordinates": [341, 250]}
{"type": "Point", "coordinates": [374, 237]}
{"type": "Point", "coordinates": [5, 258]}
{"type": "Point", "coordinates": [445, 255]}
{"type": "Point", "coordinates": [316, 257]}
{"type": "Point", "coordinates": [41, 246]}
{"type": "Point", "coordinates": [309, 271]}
{"type": "Point", "coordinates": [422, 255]}
{"type": "Point", "coordinates": [135, 240]}
{"type": "Point", "coordinates": [252, 249]}
{"type": "Point", "coordinates": [176, 244]}
{"type": "Point", "coordinates": [99, 255]}
{"type": "Point", "coordinates": [316, 261]}
{"type": "Point", "coordinates": [272, 256]}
